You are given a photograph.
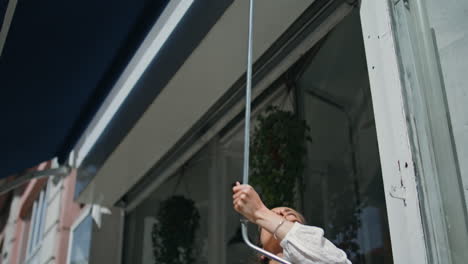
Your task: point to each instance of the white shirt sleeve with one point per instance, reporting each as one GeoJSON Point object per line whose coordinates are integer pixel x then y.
{"type": "Point", "coordinates": [306, 245]}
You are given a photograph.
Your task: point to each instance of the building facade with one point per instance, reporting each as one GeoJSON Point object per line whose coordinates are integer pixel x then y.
{"type": "Point", "coordinates": [39, 220]}
{"type": "Point", "coordinates": [43, 224]}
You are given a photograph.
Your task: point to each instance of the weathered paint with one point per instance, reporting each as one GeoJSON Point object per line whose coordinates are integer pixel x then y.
{"type": "Point", "coordinates": [395, 152]}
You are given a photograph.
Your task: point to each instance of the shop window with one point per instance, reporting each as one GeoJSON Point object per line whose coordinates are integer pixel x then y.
{"type": "Point", "coordinates": [343, 175]}
{"type": "Point", "coordinates": [80, 239]}
{"type": "Point", "coordinates": [342, 186]}
{"type": "Point", "coordinates": [341, 189]}
{"type": "Point", "coordinates": [36, 228]}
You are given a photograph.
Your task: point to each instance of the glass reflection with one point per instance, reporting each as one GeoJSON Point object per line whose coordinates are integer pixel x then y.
{"type": "Point", "coordinates": [82, 242]}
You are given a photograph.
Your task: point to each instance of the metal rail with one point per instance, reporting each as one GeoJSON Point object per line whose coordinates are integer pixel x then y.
{"type": "Point", "coordinates": [248, 101]}
{"type": "Point", "coordinates": [22, 179]}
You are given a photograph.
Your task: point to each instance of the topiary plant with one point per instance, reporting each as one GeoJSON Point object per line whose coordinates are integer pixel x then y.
{"type": "Point", "coordinates": [277, 156]}
{"type": "Point", "coordinates": [173, 234]}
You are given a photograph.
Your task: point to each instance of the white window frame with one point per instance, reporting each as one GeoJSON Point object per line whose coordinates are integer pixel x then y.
{"type": "Point", "coordinates": [85, 213]}
{"type": "Point", "coordinates": [400, 186]}
{"type": "Point", "coordinates": [36, 227]}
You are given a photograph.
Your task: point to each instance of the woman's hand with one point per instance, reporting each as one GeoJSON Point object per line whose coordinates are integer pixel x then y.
{"type": "Point", "coordinates": [247, 202]}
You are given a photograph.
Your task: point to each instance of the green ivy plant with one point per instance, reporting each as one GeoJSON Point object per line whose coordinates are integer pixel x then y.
{"type": "Point", "coordinates": [174, 232]}
{"type": "Point", "coordinates": [277, 156]}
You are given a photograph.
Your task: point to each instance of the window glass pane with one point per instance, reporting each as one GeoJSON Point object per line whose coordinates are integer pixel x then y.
{"type": "Point", "coordinates": [343, 180]}
{"type": "Point", "coordinates": [162, 227]}
{"type": "Point", "coordinates": [38, 223]}
{"type": "Point", "coordinates": [43, 215]}
{"type": "Point", "coordinates": [81, 242]}
{"type": "Point", "coordinates": [32, 228]}
{"type": "Point", "coordinates": [343, 187]}
{"type": "Point", "coordinates": [231, 167]}
{"type": "Point", "coordinates": [35, 227]}
{"type": "Point", "coordinates": [449, 21]}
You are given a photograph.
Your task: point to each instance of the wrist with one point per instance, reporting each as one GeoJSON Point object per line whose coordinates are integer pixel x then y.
{"type": "Point", "coordinates": [261, 214]}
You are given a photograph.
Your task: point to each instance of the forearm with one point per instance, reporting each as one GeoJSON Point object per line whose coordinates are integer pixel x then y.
{"type": "Point", "coordinates": [269, 221]}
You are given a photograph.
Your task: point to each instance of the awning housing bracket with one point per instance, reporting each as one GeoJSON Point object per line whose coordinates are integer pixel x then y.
{"type": "Point", "coordinates": [59, 172]}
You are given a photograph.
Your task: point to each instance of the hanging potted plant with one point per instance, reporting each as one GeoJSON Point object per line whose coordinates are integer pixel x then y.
{"type": "Point", "coordinates": [277, 156]}
{"type": "Point", "coordinates": [174, 232]}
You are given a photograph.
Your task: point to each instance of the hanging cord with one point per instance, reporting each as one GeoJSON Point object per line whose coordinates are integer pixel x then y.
{"type": "Point", "coordinates": [248, 102]}
{"type": "Point", "coordinates": [180, 179]}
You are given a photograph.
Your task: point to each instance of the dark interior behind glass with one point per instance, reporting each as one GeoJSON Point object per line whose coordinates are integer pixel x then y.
{"type": "Point", "coordinates": [343, 189]}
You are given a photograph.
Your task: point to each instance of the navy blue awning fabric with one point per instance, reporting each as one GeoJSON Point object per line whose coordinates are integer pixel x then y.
{"type": "Point", "coordinates": [3, 8]}
{"type": "Point", "coordinates": [59, 62]}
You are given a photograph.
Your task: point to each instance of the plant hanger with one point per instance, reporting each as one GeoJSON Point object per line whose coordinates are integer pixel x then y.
{"type": "Point", "coordinates": [248, 101]}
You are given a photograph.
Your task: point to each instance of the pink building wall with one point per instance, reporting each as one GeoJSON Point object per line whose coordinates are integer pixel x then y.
{"type": "Point", "coordinates": [68, 212]}
{"type": "Point", "coordinates": [31, 192]}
